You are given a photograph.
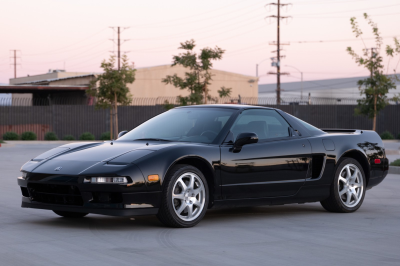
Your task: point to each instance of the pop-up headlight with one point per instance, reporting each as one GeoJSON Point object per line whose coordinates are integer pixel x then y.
{"type": "Point", "coordinates": [106, 180]}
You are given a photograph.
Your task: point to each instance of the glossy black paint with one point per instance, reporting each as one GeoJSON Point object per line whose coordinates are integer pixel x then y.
{"type": "Point", "coordinates": [277, 171]}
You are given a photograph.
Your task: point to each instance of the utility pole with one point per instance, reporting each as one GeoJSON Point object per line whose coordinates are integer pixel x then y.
{"type": "Point", "coordinates": [114, 109]}
{"type": "Point", "coordinates": [15, 61]}
{"type": "Point", "coordinates": [118, 29]}
{"type": "Point", "coordinates": [119, 50]}
{"type": "Point", "coordinates": [278, 50]}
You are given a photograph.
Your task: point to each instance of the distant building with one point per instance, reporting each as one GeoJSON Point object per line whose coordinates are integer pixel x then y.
{"type": "Point", "coordinates": [148, 83]}
{"type": "Point", "coordinates": [341, 88]}
{"type": "Point", "coordinates": [55, 87]}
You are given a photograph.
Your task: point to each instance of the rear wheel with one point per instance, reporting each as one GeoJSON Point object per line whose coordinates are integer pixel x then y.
{"type": "Point", "coordinates": [71, 214]}
{"type": "Point", "coordinates": [185, 197]}
{"type": "Point", "coordinates": [348, 188]}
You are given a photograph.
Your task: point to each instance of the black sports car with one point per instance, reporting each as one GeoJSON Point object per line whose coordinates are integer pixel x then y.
{"type": "Point", "coordinates": [184, 161]}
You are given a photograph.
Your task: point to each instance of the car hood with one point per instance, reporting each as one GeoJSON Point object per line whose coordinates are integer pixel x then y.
{"type": "Point", "coordinates": [76, 159]}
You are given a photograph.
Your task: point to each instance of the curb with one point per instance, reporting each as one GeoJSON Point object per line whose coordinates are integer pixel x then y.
{"type": "Point", "coordinates": [394, 170]}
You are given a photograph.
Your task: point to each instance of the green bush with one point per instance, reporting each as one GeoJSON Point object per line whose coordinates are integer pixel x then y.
{"type": "Point", "coordinates": [68, 137]}
{"type": "Point", "coordinates": [87, 136]}
{"type": "Point", "coordinates": [395, 163]}
{"type": "Point", "coordinates": [386, 135]}
{"type": "Point", "coordinates": [50, 136]}
{"type": "Point", "coordinates": [105, 136]}
{"type": "Point", "coordinates": [28, 135]}
{"type": "Point", "coordinates": [398, 136]}
{"type": "Point", "coordinates": [10, 136]}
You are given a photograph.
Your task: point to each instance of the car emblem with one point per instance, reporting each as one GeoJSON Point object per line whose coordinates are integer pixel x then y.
{"type": "Point", "coordinates": [58, 168]}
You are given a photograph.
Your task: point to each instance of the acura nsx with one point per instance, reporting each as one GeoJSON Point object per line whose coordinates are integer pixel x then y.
{"type": "Point", "coordinates": [190, 159]}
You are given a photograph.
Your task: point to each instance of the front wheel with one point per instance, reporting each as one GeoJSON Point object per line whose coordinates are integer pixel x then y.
{"type": "Point", "coordinates": [184, 198]}
{"type": "Point", "coordinates": [71, 214]}
{"type": "Point", "coordinates": [348, 188]}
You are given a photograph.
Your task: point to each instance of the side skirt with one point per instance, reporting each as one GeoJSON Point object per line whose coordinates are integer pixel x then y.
{"type": "Point", "coordinates": [313, 193]}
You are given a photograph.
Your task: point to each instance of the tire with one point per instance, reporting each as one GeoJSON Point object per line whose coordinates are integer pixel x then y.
{"type": "Point", "coordinates": [347, 191]}
{"type": "Point", "coordinates": [184, 197]}
{"type": "Point", "coordinates": [71, 214]}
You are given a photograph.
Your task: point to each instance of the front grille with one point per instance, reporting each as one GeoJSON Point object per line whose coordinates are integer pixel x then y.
{"type": "Point", "coordinates": [55, 194]}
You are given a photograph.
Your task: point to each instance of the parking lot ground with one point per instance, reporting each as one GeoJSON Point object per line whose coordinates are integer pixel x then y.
{"type": "Point", "coordinates": [279, 235]}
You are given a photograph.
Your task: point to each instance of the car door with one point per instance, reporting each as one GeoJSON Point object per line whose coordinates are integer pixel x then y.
{"type": "Point", "coordinates": [275, 166]}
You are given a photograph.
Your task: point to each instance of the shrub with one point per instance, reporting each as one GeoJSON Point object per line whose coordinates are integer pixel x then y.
{"type": "Point", "coordinates": [68, 137]}
{"type": "Point", "coordinates": [87, 136]}
{"type": "Point", "coordinates": [28, 135]}
{"type": "Point", "coordinates": [10, 136]}
{"type": "Point", "coordinates": [386, 135]}
{"type": "Point", "coordinates": [395, 163]}
{"type": "Point", "coordinates": [50, 136]}
{"type": "Point", "coordinates": [398, 136]}
{"type": "Point", "coordinates": [105, 136]}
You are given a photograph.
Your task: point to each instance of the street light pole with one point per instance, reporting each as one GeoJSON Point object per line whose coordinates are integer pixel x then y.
{"type": "Point", "coordinates": [301, 94]}
{"type": "Point", "coordinates": [258, 65]}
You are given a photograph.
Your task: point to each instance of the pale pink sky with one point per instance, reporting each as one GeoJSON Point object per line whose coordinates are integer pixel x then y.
{"type": "Point", "coordinates": [51, 33]}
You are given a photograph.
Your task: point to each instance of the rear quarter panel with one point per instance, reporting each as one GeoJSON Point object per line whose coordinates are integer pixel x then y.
{"type": "Point", "coordinates": [368, 144]}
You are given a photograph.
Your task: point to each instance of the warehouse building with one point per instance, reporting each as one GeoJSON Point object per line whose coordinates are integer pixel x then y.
{"type": "Point", "coordinates": [148, 84]}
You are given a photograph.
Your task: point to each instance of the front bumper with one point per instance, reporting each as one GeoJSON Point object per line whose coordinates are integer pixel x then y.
{"type": "Point", "coordinates": [27, 203]}
{"type": "Point", "coordinates": [71, 195]}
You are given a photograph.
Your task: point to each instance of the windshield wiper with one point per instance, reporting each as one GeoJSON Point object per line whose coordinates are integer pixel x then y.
{"type": "Point", "coordinates": [154, 139]}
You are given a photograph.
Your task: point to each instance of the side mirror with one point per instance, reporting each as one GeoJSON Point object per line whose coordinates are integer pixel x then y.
{"type": "Point", "coordinates": [122, 133]}
{"type": "Point", "coordinates": [243, 139]}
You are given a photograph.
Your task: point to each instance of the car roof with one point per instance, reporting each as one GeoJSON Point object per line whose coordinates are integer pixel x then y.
{"type": "Point", "coordinates": [231, 106]}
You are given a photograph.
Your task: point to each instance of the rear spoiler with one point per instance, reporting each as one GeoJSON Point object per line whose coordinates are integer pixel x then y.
{"type": "Point", "coordinates": [341, 130]}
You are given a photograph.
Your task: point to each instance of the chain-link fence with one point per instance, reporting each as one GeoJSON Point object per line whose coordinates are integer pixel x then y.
{"type": "Point", "coordinates": [175, 101]}
{"type": "Point", "coordinates": [66, 117]}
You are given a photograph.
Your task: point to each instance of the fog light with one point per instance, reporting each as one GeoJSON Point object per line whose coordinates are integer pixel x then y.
{"type": "Point", "coordinates": [108, 180]}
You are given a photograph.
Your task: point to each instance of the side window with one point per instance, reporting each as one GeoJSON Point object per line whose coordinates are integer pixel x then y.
{"type": "Point", "coordinates": [267, 124]}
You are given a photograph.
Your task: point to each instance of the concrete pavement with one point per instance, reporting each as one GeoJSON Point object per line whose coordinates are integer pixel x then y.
{"type": "Point", "coordinates": [280, 235]}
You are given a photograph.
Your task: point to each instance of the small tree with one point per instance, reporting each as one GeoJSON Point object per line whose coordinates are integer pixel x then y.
{"type": "Point", "coordinates": [224, 92]}
{"type": "Point", "coordinates": [377, 85]}
{"type": "Point", "coordinates": [199, 77]}
{"type": "Point", "coordinates": [110, 89]}
{"type": "Point", "coordinates": [392, 52]}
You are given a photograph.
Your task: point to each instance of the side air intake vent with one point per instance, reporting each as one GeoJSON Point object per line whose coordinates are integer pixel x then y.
{"type": "Point", "coordinates": [317, 163]}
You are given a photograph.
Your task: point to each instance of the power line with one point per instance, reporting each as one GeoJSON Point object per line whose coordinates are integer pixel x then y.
{"type": "Point", "coordinates": [210, 26]}
{"type": "Point", "coordinates": [67, 45]}
{"type": "Point", "coordinates": [331, 2]}
{"type": "Point", "coordinates": [378, 15]}
{"type": "Point", "coordinates": [80, 55]}
{"type": "Point", "coordinates": [188, 17]}
{"type": "Point", "coordinates": [347, 11]}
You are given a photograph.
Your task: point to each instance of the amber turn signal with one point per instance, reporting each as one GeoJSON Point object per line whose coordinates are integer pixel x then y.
{"type": "Point", "coordinates": [153, 178]}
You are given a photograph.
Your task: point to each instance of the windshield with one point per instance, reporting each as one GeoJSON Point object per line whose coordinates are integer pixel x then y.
{"type": "Point", "coordinates": [183, 124]}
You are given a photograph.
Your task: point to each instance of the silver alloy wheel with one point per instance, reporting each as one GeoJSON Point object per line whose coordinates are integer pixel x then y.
{"type": "Point", "coordinates": [350, 185]}
{"type": "Point", "coordinates": [188, 196]}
